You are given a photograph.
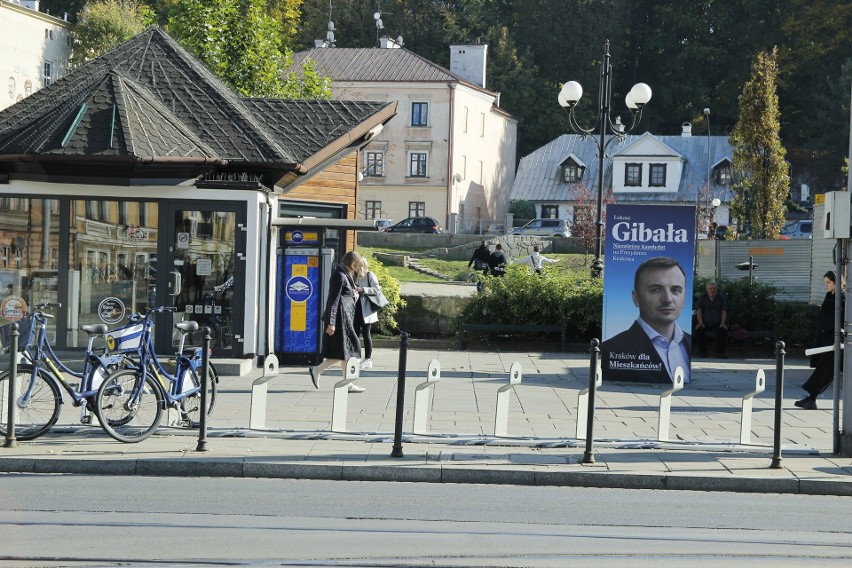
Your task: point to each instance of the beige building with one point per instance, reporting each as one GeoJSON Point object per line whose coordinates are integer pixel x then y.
{"type": "Point", "coordinates": [34, 49]}
{"type": "Point", "coordinates": [449, 153]}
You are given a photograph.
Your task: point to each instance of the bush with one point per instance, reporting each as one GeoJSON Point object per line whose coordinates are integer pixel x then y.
{"type": "Point", "coordinates": [390, 287]}
{"type": "Point", "coordinates": [753, 307]}
{"type": "Point", "coordinates": [750, 306]}
{"type": "Point", "coordinates": [547, 299]}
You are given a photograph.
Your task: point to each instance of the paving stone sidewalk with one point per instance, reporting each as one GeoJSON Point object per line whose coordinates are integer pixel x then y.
{"type": "Point", "coordinates": [703, 450]}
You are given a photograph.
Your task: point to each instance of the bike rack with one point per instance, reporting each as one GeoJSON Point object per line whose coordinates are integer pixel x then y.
{"type": "Point", "coordinates": [259, 389]}
{"type": "Point", "coordinates": [422, 397]}
{"type": "Point", "coordinates": [748, 399]}
{"type": "Point", "coordinates": [583, 403]}
{"type": "Point", "coordinates": [501, 419]}
{"type": "Point", "coordinates": [666, 406]}
{"type": "Point", "coordinates": [351, 372]}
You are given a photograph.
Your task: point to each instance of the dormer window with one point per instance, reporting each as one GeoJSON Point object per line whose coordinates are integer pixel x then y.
{"type": "Point", "coordinates": [723, 174]}
{"type": "Point", "coordinates": [570, 173]}
{"type": "Point", "coordinates": [633, 175]}
{"type": "Point", "coordinates": [571, 169]}
{"type": "Point", "coordinates": [657, 175]}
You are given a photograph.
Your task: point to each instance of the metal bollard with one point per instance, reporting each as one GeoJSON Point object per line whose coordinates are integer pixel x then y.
{"type": "Point", "coordinates": [589, 456]}
{"type": "Point", "coordinates": [205, 380]}
{"type": "Point", "coordinates": [583, 404]}
{"type": "Point", "coordinates": [748, 403]}
{"type": "Point", "coordinates": [396, 452]}
{"type": "Point", "coordinates": [665, 417]}
{"type": "Point", "coordinates": [779, 402]}
{"type": "Point", "coordinates": [11, 440]}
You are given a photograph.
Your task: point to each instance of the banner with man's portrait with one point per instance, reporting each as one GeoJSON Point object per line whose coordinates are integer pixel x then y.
{"type": "Point", "coordinates": [647, 317]}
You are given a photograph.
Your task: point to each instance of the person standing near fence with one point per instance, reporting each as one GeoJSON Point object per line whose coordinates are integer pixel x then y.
{"type": "Point", "coordinates": [341, 342]}
{"type": "Point", "coordinates": [712, 315]}
{"type": "Point", "coordinates": [372, 299]}
{"type": "Point", "coordinates": [822, 363]}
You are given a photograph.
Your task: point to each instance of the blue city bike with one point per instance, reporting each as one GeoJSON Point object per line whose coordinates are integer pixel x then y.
{"type": "Point", "coordinates": [42, 376]}
{"type": "Point", "coordinates": [131, 401]}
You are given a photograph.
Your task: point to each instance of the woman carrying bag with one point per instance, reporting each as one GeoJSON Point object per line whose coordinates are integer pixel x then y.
{"type": "Point", "coordinates": [371, 301]}
{"type": "Point", "coordinates": [340, 316]}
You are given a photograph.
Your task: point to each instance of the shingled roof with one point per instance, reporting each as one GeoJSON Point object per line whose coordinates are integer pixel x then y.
{"type": "Point", "coordinates": [149, 101]}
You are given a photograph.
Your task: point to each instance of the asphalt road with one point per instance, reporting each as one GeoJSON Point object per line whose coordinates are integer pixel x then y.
{"type": "Point", "coordinates": [63, 520]}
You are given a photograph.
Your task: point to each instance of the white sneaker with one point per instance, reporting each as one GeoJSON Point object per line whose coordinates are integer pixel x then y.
{"type": "Point", "coordinates": [367, 364]}
{"type": "Point", "coordinates": [355, 388]}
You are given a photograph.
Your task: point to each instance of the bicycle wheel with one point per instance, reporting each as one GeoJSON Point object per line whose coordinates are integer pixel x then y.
{"type": "Point", "coordinates": [129, 405]}
{"type": "Point", "coordinates": [39, 412]}
{"type": "Point", "coordinates": [190, 407]}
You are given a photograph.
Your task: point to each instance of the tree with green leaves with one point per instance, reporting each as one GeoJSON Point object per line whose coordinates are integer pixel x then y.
{"type": "Point", "coordinates": [762, 180]}
{"type": "Point", "coordinates": [104, 24]}
{"type": "Point", "coordinates": [240, 42]}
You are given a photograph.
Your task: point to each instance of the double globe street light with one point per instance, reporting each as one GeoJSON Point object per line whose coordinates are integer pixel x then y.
{"type": "Point", "coordinates": [635, 100]}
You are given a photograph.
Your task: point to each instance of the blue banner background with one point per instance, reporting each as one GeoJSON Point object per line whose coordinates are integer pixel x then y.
{"type": "Point", "coordinates": [620, 263]}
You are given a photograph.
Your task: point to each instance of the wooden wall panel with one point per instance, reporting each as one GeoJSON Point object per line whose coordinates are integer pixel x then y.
{"type": "Point", "coordinates": [337, 183]}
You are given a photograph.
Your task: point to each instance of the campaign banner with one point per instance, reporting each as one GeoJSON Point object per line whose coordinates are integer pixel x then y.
{"type": "Point", "coordinates": [647, 310]}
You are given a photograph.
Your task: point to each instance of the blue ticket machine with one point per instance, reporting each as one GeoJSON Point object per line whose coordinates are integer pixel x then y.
{"type": "Point", "coordinates": [304, 267]}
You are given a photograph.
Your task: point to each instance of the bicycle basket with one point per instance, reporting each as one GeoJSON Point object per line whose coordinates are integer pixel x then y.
{"type": "Point", "coordinates": [126, 339]}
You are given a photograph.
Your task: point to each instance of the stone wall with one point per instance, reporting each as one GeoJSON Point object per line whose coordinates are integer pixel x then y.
{"type": "Point", "coordinates": [461, 246]}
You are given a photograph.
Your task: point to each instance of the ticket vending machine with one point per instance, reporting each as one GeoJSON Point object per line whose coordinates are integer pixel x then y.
{"type": "Point", "coordinates": [304, 265]}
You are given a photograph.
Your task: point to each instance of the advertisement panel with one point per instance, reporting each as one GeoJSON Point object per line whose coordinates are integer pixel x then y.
{"type": "Point", "coordinates": [647, 317]}
{"type": "Point", "coordinates": [299, 303]}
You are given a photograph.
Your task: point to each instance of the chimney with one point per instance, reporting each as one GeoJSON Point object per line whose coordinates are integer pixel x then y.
{"type": "Point", "coordinates": [687, 130]}
{"type": "Point", "coordinates": [468, 62]}
{"type": "Point", "coordinates": [388, 43]}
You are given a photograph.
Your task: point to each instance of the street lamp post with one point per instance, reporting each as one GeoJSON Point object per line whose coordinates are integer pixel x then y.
{"type": "Point", "coordinates": [709, 165]}
{"type": "Point", "coordinates": [636, 100]}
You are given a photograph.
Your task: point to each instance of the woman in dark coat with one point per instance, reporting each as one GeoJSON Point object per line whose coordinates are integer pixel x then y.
{"type": "Point", "coordinates": [823, 363]}
{"type": "Point", "coordinates": [341, 343]}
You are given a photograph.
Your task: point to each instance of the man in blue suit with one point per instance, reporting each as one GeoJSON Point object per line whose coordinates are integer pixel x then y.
{"type": "Point", "coordinates": [655, 345]}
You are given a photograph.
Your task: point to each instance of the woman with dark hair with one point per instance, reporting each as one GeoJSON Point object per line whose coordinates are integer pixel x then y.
{"type": "Point", "coordinates": [823, 363]}
{"type": "Point", "coordinates": [341, 343]}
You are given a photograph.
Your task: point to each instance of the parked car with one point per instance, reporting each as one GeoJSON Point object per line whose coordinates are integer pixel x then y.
{"type": "Point", "coordinates": [797, 230]}
{"type": "Point", "coordinates": [416, 225]}
{"type": "Point", "coordinates": [543, 228]}
{"type": "Point", "coordinates": [495, 230]}
{"type": "Point", "coordinates": [383, 224]}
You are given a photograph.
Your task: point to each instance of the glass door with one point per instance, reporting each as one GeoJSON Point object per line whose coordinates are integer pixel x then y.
{"type": "Point", "coordinates": [200, 274]}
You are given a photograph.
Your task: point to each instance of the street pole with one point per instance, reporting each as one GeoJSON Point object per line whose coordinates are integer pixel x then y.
{"type": "Point", "coordinates": [635, 100]}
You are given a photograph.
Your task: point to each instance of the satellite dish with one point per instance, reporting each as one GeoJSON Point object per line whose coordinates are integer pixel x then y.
{"type": "Point", "coordinates": [457, 178]}
{"type": "Point", "coordinates": [379, 24]}
{"type": "Point", "coordinates": [399, 40]}
{"type": "Point", "coordinates": [330, 36]}
{"type": "Point", "coordinates": [377, 16]}
{"type": "Point", "coordinates": [330, 26]}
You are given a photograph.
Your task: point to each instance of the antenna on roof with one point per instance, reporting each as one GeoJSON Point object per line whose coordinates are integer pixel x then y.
{"type": "Point", "coordinates": [377, 16]}
{"type": "Point", "coordinates": [329, 35]}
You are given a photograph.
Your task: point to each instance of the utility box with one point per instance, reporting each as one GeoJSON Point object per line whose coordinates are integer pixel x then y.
{"type": "Point", "coordinates": [837, 215]}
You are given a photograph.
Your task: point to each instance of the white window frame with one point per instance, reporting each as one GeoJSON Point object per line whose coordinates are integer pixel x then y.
{"type": "Point", "coordinates": [373, 209]}
{"type": "Point", "coordinates": [418, 164]}
{"type": "Point", "coordinates": [47, 73]}
{"type": "Point", "coordinates": [374, 163]}
{"type": "Point", "coordinates": [416, 208]}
